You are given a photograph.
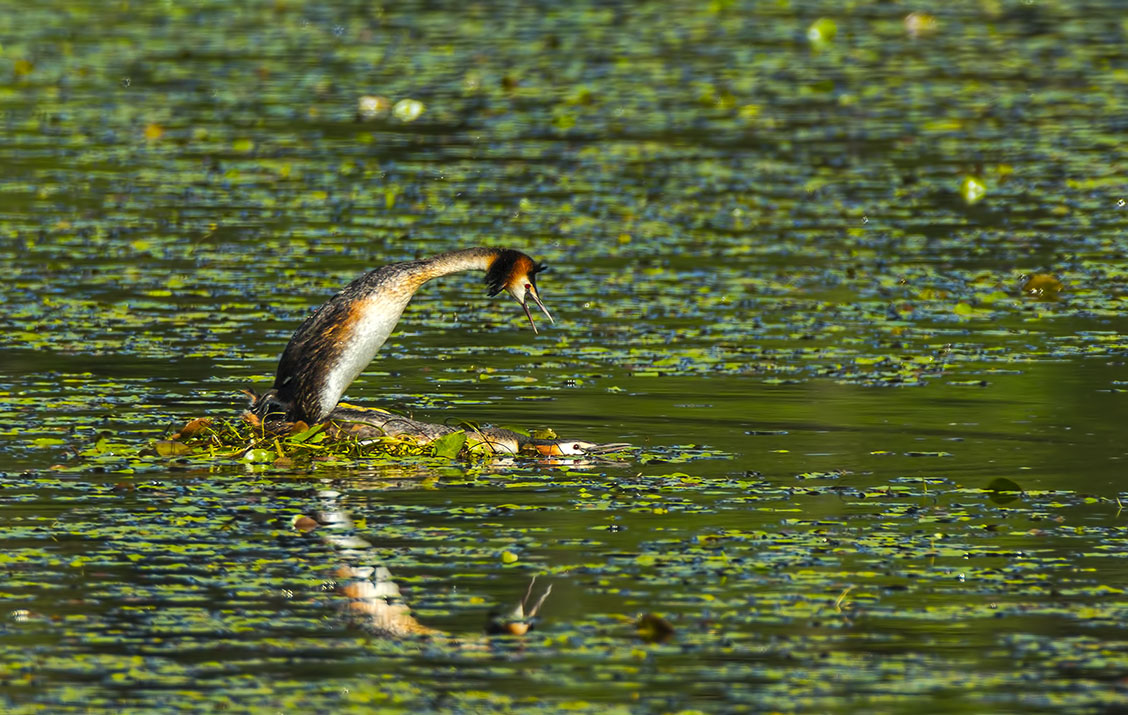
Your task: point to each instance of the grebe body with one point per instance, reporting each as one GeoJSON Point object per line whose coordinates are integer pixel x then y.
{"type": "Point", "coordinates": [372, 423]}
{"type": "Point", "coordinates": [339, 339]}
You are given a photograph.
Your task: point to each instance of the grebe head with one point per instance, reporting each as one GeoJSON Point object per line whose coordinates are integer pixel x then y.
{"type": "Point", "coordinates": [516, 274]}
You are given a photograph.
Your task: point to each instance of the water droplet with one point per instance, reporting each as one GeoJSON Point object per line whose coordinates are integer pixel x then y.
{"type": "Point", "coordinates": [1120, 203]}
{"type": "Point", "coordinates": [865, 219]}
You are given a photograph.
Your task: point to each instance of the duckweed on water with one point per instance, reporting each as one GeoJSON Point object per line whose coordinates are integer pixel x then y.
{"type": "Point", "coordinates": [784, 598]}
{"type": "Point", "coordinates": [759, 236]}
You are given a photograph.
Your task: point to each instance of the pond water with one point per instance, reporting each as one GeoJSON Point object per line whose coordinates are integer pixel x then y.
{"type": "Point", "coordinates": [878, 468]}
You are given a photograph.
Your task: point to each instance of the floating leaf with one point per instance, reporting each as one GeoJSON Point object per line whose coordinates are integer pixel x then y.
{"type": "Point", "coordinates": [822, 31]}
{"type": "Point", "coordinates": [370, 107]}
{"type": "Point", "coordinates": [408, 110]}
{"type": "Point", "coordinates": [652, 628]}
{"type": "Point", "coordinates": [301, 522]}
{"type": "Point", "coordinates": [171, 448]}
{"type": "Point", "coordinates": [259, 456]}
{"type": "Point", "coordinates": [192, 428]}
{"type": "Point", "coordinates": [919, 24]}
{"type": "Point", "coordinates": [1003, 490]}
{"type": "Point", "coordinates": [298, 427]}
{"type": "Point", "coordinates": [819, 475]}
{"type": "Point", "coordinates": [308, 434]}
{"type": "Point", "coordinates": [972, 189]}
{"type": "Point", "coordinates": [1043, 286]}
{"type": "Point", "coordinates": [449, 445]}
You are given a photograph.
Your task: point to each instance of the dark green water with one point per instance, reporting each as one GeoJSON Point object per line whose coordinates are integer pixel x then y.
{"type": "Point", "coordinates": [764, 274]}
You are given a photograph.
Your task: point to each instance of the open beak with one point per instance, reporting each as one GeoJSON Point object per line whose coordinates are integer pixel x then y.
{"type": "Point", "coordinates": [532, 292]}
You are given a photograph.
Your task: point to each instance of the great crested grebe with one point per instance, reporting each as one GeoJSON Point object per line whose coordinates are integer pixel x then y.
{"type": "Point", "coordinates": [338, 340]}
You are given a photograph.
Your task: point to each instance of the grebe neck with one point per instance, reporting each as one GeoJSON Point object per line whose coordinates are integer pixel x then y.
{"type": "Point", "coordinates": [338, 340]}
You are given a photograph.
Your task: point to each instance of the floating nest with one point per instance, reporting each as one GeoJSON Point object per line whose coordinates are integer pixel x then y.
{"type": "Point", "coordinates": [354, 433]}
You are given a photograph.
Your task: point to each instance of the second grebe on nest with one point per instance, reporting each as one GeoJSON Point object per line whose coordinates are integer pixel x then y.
{"type": "Point", "coordinates": [338, 340]}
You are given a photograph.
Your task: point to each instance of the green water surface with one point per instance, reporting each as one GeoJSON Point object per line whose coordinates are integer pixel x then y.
{"type": "Point", "coordinates": [872, 474]}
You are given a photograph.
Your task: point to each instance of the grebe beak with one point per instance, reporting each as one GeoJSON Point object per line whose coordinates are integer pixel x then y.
{"type": "Point", "coordinates": [572, 448]}
{"type": "Point", "coordinates": [530, 291]}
